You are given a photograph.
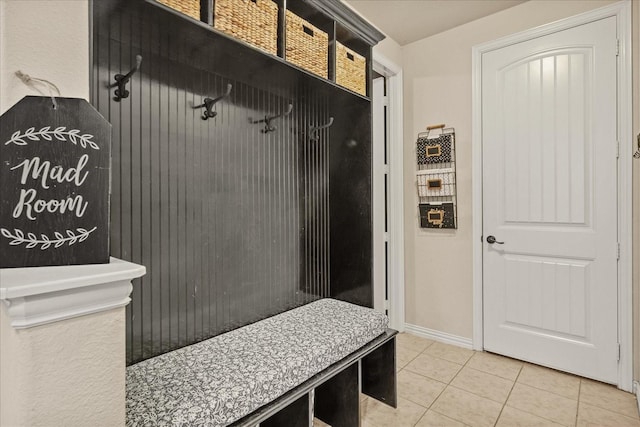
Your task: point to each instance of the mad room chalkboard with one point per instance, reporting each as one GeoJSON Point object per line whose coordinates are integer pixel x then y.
{"type": "Point", "coordinates": [54, 183]}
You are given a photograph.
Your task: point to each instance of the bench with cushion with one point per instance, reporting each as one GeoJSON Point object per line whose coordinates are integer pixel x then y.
{"type": "Point", "coordinates": [281, 371]}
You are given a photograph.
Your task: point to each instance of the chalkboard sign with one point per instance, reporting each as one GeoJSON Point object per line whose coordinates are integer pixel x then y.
{"type": "Point", "coordinates": [434, 151]}
{"type": "Point", "coordinates": [54, 183]}
{"type": "Point", "coordinates": [437, 215]}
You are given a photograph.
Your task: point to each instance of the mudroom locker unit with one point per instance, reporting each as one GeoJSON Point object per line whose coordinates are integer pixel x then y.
{"type": "Point", "coordinates": [241, 178]}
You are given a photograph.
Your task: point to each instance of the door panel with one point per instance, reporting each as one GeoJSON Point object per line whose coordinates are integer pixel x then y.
{"type": "Point", "coordinates": [553, 133]}
{"type": "Point", "coordinates": [555, 294]}
{"type": "Point", "coordinates": [549, 192]}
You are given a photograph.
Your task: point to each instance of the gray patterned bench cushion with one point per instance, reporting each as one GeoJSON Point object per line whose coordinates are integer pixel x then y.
{"type": "Point", "coordinates": [220, 380]}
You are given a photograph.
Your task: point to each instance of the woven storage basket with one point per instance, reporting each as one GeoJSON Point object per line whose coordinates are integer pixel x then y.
{"type": "Point", "coordinates": [351, 69]}
{"type": "Point", "coordinates": [188, 7]}
{"type": "Point", "coordinates": [254, 21]}
{"type": "Point", "coordinates": [307, 46]}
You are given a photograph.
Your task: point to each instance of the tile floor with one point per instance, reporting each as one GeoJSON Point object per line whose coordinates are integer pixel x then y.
{"type": "Point", "coordinates": [444, 385]}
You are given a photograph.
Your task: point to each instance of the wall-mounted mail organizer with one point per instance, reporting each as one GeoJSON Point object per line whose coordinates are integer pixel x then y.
{"type": "Point", "coordinates": [436, 177]}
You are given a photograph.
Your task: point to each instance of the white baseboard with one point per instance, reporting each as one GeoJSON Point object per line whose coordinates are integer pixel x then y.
{"type": "Point", "coordinates": [439, 336]}
{"type": "Point", "coordinates": [636, 390]}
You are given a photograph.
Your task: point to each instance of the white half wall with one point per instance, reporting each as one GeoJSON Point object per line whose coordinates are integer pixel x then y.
{"type": "Point", "coordinates": [58, 363]}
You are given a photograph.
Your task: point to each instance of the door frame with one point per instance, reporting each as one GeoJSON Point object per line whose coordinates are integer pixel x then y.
{"type": "Point", "coordinates": [622, 11]}
{"type": "Point", "coordinates": [393, 73]}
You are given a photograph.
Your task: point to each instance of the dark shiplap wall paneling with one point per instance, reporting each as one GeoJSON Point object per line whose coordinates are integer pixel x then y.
{"type": "Point", "coordinates": [232, 224]}
{"type": "Point", "coordinates": [315, 195]}
{"type": "Point", "coordinates": [351, 251]}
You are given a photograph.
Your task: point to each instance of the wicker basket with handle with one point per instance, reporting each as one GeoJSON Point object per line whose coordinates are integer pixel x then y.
{"type": "Point", "coordinates": [188, 7]}
{"type": "Point", "coordinates": [351, 69]}
{"type": "Point", "coordinates": [254, 21]}
{"type": "Point", "coordinates": [306, 45]}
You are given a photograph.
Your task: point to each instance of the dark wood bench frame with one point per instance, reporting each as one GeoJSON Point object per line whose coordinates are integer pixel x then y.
{"type": "Point", "coordinates": [333, 395]}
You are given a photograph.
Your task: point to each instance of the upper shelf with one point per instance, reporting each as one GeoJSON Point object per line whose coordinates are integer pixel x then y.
{"type": "Point", "coordinates": [243, 61]}
{"type": "Point", "coordinates": [351, 21]}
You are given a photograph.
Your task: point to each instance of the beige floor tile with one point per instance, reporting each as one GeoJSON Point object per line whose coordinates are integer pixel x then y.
{"type": "Point", "coordinates": [378, 414]}
{"type": "Point", "coordinates": [467, 407]}
{"type": "Point", "coordinates": [496, 365]}
{"type": "Point", "coordinates": [362, 397]}
{"type": "Point", "coordinates": [434, 419]}
{"type": "Point", "coordinates": [544, 404]}
{"type": "Point", "coordinates": [434, 367]}
{"type": "Point", "coordinates": [589, 415]}
{"type": "Point", "coordinates": [483, 384]}
{"type": "Point", "coordinates": [451, 353]}
{"type": "Point", "coordinates": [550, 380]}
{"type": "Point", "coordinates": [412, 342]}
{"type": "Point", "coordinates": [319, 423]}
{"type": "Point", "coordinates": [512, 417]}
{"type": "Point", "coordinates": [404, 356]}
{"type": "Point", "coordinates": [608, 397]}
{"type": "Point", "coordinates": [418, 389]}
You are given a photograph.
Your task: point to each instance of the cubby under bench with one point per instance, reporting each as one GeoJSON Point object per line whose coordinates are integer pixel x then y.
{"type": "Point", "coordinates": [312, 361]}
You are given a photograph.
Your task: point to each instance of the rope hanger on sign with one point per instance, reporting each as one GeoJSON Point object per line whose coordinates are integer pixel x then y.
{"type": "Point", "coordinates": [30, 81]}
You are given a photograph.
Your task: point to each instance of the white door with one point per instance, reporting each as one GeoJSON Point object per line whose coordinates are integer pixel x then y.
{"type": "Point", "coordinates": [549, 193]}
{"type": "Point", "coordinates": [379, 186]}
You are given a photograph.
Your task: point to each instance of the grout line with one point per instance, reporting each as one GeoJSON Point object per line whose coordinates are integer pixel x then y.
{"type": "Point", "coordinates": [446, 360]}
{"type": "Point", "coordinates": [420, 419]}
{"type": "Point", "coordinates": [578, 405]}
{"type": "Point", "coordinates": [555, 371]}
{"type": "Point", "coordinates": [451, 418]}
{"type": "Point", "coordinates": [509, 395]}
{"type": "Point", "coordinates": [603, 406]}
{"type": "Point", "coordinates": [514, 382]}
{"type": "Point", "coordinates": [428, 408]}
{"type": "Point", "coordinates": [448, 384]}
{"type": "Point", "coordinates": [551, 391]}
{"type": "Point", "coordinates": [457, 373]}
{"type": "Point", "coordinates": [537, 415]}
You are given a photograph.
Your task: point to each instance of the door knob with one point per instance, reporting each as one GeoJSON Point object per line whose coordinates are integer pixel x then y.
{"type": "Point", "coordinates": [492, 240]}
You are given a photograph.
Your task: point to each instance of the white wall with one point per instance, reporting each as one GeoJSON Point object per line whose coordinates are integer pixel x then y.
{"type": "Point", "coordinates": [390, 49]}
{"type": "Point", "coordinates": [46, 39]}
{"type": "Point", "coordinates": [437, 78]}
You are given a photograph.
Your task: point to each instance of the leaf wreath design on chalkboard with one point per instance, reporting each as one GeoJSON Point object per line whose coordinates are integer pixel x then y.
{"type": "Point", "coordinates": [18, 237]}
{"type": "Point", "coordinates": [48, 134]}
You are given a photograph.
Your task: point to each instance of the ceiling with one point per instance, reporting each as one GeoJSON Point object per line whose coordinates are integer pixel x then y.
{"type": "Point", "coordinates": [406, 21]}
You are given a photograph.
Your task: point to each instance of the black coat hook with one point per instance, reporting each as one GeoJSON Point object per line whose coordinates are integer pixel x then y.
{"type": "Point", "coordinates": [123, 79]}
{"type": "Point", "coordinates": [208, 104]}
{"type": "Point", "coordinates": [314, 132]}
{"type": "Point", "coordinates": [268, 126]}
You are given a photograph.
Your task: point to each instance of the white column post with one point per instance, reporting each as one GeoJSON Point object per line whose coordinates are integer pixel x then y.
{"type": "Point", "coordinates": [62, 344]}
